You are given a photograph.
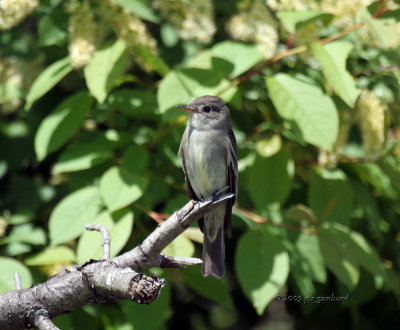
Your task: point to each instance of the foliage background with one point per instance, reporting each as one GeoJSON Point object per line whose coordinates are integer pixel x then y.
{"type": "Point", "coordinates": [89, 133]}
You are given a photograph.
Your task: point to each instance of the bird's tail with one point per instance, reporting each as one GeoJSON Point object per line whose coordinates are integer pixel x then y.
{"type": "Point", "coordinates": [214, 255]}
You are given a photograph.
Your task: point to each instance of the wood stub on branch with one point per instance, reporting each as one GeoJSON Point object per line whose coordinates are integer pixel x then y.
{"type": "Point", "coordinates": [145, 289]}
{"type": "Point", "coordinates": [127, 284]}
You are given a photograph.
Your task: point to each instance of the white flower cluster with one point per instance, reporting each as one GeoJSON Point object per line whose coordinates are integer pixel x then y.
{"type": "Point", "coordinates": [14, 11]}
{"type": "Point", "coordinates": [371, 120]}
{"type": "Point", "coordinates": [133, 31]}
{"type": "Point", "coordinates": [193, 20]}
{"type": "Point", "coordinates": [292, 4]}
{"type": "Point", "coordinates": [255, 24]}
{"type": "Point", "coordinates": [82, 33]}
{"type": "Point", "coordinates": [18, 73]}
{"type": "Point", "coordinates": [345, 11]}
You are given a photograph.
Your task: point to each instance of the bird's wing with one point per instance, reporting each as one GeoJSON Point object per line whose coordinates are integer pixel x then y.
{"type": "Point", "coordinates": [190, 192]}
{"type": "Point", "coordinates": [232, 182]}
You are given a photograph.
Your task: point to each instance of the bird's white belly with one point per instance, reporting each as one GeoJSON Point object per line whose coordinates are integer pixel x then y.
{"type": "Point", "coordinates": [206, 164]}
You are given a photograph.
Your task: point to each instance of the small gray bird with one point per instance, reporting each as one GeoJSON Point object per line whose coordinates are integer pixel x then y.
{"type": "Point", "coordinates": [209, 158]}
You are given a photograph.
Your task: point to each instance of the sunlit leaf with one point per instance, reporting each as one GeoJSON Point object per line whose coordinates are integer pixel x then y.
{"type": "Point", "coordinates": [8, 268]}
{"type": "Point", "coordinates": [61, 124]}
{"type": "Point", "coordinates": [307, 106]}
{"type": "Point", "coordinates": [119, 226]}
{"type": "Point", "coordinates": [47, 80]}
{"type": "Point", "coordinates": [332, 58]}
{"type": "Point", "coordinates": [119, 187]}
{"type": "Point", "coordinates": [262, 267]}
{"type": "Point", "coordinates": [72, 213]}
{"type": "Point", "coordinates": [106, 65]}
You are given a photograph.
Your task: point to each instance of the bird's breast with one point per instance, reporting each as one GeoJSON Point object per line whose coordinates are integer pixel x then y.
{"type": "Point", "coordinates": [206, 163]}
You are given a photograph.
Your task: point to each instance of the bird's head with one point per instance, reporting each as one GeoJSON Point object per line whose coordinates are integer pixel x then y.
{"type": "Point", "coordinates": [207, 112]}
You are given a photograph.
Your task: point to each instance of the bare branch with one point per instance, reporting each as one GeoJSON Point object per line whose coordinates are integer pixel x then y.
{"type": "Point", "coordinates": [104, 280]}
{"type": "Point", "coordinates": [106, 238]}
{"type": "Point", "coordinates": [148, 253]}
{"type": "Point", "coordinates": [93, 282]}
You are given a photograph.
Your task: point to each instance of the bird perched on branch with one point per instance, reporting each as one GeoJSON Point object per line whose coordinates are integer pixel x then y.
{"type": "Point", "coordinates": [209, 158]}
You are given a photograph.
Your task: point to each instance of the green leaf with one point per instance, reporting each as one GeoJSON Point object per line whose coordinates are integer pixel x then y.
{"type": "Point", "coordinates": [207, 287]}
{"type": "Point", "coordinates": [311, 110]}
{"type": "Point", "coordinates": [311, 259]}
{"type": "Point", "coordinates": [364, 291]}
{"type": "Point", "coordinates": [81, 157]}
{"type": "Point", "coordinates": [330, 196]}
{"type": "Point", "coordinates": [150, 58]}
{"type": "Point", "coordinates": [332, 58]}
{"type": "Point", "coordinates": [301, 212]}
{"type": "Point", "coordinates": [270, 179]}
{"type": "Point", "coordinates": [16, 249]}
{"type": "Point", "coordinates": [26, 233]}
{"type": "Point", "coordinates": [106, 65]}
{"type": "Point", "coordinates": [135, 159]}
{"type": "Point", "coordinates": [119, 226]}
{"type": "Point", "coordinates": [61, 124]}
{"type": "Point", "coordinates": [337, 257]}
{"type": "Point", "coordinates": [119, 187]}
{"type": "Point", "coordinates": [8, 268]}
{"type": "Point", "coordinates": [72, 213]}
{"type": "Point", "coordinates": [134, 103]}
{"type": "Point", "coordinates": [382, 29]}
{"type": "Point", "coordinates": [182, 86]}
{"type": "Point", "coordinates": [180, 247]}
{"type": "Point", "coordinates": [242, 56]}
{"type": "Point", "coordinates": [51, 256]}
{"type": "Point", "coordinates": [53, 28]}
{"type": "Point", "coordinates": [9, 92]}
{"type": "Point", "coordinates": [262, 267]}
{"type": "Point", "coordinates": [47, 79]}
{"type": "Point", "coordinates": [304, 283]}
{"type": "Point", "coordinates": [344, 251]}
{"type": "Point", "coordinates": [140, 8]}
{"type": "Point", "coordinates": [390, 165]}
{"type": "Point", "coordinates": [363, 252]}
{"type": "Point", "coordinates": [227, 58]}
{"type": "Point", "coordinates": [168, 34]}
{"type": "Point", "coordinates": [295, 20]}
{"type": "Point", "coordinates": [374, 175]}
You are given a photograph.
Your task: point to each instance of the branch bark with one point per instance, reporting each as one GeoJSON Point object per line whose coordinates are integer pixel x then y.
{"type": "Point", "coordinates": [104, 280]}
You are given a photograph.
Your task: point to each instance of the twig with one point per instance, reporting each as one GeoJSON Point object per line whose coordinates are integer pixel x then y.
{"type": "Point", "coordinates": [106, 238]}
{"type": "Point", "coordinates": [178, 262]}
{"type": "Point", "coordinates": [17, 281]}
{"type": "Point", "coordinates": [297, 50]}
{"type": "Point", "coordinates": [261, 220]}
{"type": "Point", "coordinates": [42, 321]}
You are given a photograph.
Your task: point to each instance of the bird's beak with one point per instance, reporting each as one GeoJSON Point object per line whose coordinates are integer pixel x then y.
{"type": "Point", "coordinates": [184, 108]}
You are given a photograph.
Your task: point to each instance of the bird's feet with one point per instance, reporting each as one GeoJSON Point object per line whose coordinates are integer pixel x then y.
{"type": "Point", "coordinates": [219, 192]}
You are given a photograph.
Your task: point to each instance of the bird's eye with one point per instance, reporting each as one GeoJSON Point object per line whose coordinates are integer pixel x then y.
{"type": "Point", "coordinates": [207, 108]}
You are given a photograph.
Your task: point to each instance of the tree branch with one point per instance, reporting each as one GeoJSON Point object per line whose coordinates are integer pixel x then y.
{"type": "Point", "coordinates": [104, 280]}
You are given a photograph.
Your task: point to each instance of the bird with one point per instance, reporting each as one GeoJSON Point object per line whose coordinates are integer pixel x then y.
{"type": "Point", "coordinates": [209, 159]}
